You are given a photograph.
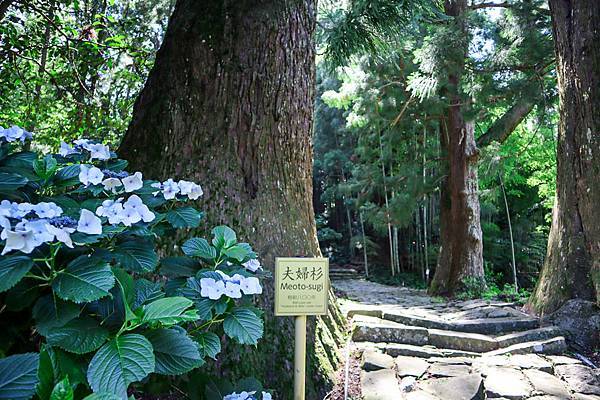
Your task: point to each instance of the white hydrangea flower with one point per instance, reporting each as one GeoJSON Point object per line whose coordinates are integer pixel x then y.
{"type": "Point", "coordinates": [15, 133]}
{"type": "Point", "coordinates": [239, 396]}
{"type": "Point", "coordinates": [266, 396]}
{"type": "Point", "coordinates": [233, 290]}
{"type": "Point", "coordinates": [170, 189]}
{"type": "Point", "coordinates": [90, 175]}
{"type": "Point", "coordinates": [252, 265]}
{"type": "Point", "coordinates": [98, 151]}
{"type": "Point", "coordinates": [111, 209]}
{"type": "Point", "coordinates": [196, 192]}
{"type": "Point", "coordinates": [251, 285]}
{"type": "Point", "coordinates": [89, 223]}
{"type": "Point", "coordinates": [111, 184]}
{"type": "Point", "coordinates": [190, 189]}
{"type": "Point", "coordinates": [23, 241]}
{"type": "Point", "coordinates": [39, 228]}
{"type": "Point", "coordinates": [211, 288]}
{"type": "Point", "coordinates": [133, 182]}
{"type": "Point", "coordinates": [47, 210]}
{"type": "Point", "coordinates": [66, 149]}
{"type": "Point", "coordinates": [62, 234]}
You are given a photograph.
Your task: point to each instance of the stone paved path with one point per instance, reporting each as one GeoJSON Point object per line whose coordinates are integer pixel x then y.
{"type": "Point", "coordinates": [415, 347]}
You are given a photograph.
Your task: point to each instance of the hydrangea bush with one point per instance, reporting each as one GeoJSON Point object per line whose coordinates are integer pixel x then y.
{"type": "Point", "coordinates": [78, 237]}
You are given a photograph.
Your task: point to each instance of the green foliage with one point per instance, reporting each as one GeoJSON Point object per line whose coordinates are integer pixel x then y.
{"type": "Point", "coordinates": [104, 318]}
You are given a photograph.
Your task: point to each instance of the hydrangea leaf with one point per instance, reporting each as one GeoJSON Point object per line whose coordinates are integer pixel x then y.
{"type": "Point", "coordinates": [85, 279]}
{"type": "Point", "coordinates": [175, 352]}
{"type": "Point", "coordinates": [18, 376]}
{"type": "Point", "coordinates": [169, 311]}
{"type": "Point", "coordinates": [12, 270]}
{"type": "Point", "coordinates": [50, 312]}
{"type": "Point", "coordinates": [223, 236]}
{"type": "Point", "coordinates": [123, 360]}
{"type": "Point", "coordinates": [174, 267]}
{"type": "Point", "coordinates": [198, 247]}
{"type": "Point", "coordinates": [10, 182]}
{"type": "Point", "coordinates": [236, 252]}
{"type": "Point", "coordinates": [62, 390]}
{"type": "Point", "coordinates": [145, 292]}
{"type": "Point", "coordinates": [184, 217]}
{"type": "Point", "coordinates": [78, 336]}
{"type": "Point", "coordinates": [209, 344]}
{"type": "Point", "coordinates": [243, 325]}
{"type": "Point", "coordinates": [136, 256]}
{"type": "Point", "coordinates": [203, 305]}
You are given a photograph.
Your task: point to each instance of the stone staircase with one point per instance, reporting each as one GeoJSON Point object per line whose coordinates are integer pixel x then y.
{"type": "Point", "coordinates": [343, 273]}
{"type": "Point", "coordinates": [414, 347]}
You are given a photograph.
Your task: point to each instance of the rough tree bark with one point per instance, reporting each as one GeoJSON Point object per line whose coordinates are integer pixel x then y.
{"type": "Point", "coordinates": [229, 104]}
{"type": "Point", "coordinates": [461, 253]}
{"type": "Point", "coordinates": [572, 266]}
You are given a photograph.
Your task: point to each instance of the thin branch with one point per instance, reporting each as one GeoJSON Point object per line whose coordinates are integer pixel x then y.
{"type": "Point", "coordinates": [506, 4]}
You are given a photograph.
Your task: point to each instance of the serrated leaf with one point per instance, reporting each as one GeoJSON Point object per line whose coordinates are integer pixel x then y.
{"type": "Point", "coordinates": [102, 396]}
{"type": "Point", "coordinates": [184, 217]}
{"type": "Point", "coordinates": [45, 375]}
{"type": "Point", "coordinates": [123, 360]}
{"type": "Point", "coordinates": [243, 325]}
{"type": "Point", "coordinates": [174, 267]}
{"type": "Point", "coordinates": [85, 279]}
{"type": "Point", "coordinates": [10, 182]}
{"type": "Point", "coordinates": [169, 311]}
{"type": "Point", "coordinates": [136, 256]}
{"type": "Point", "coordinates": [209, 344]}
{"type": "Point", "coordinates": [203, 305]}
{"type": "Point", "coordinates": [175, 352]}
{"type": "Point", "coordinates": [62, 390]}
{"type": "Point", "coordinates": [145, 292]}
{"type": "Point", "coordinates": [12, 270]}
{"type": "Point", "coordinates": [78, 336]}
{"type": "Point", "coordinates": [236, 252]}
{"type": "Point", "coordinates": [223, 236]}
{"type": "Point", "coordinates": [18, 376]}
{"type": "Point", "coordinates": [50, 312]}
{"type": "Point", "coordinates": [198, 247]}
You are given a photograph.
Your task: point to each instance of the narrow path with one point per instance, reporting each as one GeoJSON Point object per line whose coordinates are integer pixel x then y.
{"type": "Point", "coordinates": [416, 347]}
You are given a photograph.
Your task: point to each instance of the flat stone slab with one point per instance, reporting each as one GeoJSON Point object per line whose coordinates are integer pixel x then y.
{"type": "Point", "coordinates": [411, 366]}
{"type": "Point", "coordinates": [467, 387]}
{"type": "Point", "coordinates": [562, 360]}
{"type": "Point", "coordinates": [473, 342]}
{"type": "Point", "coordinates": [506, 382]}
{"type": "Point", "coordinates": [374, 360]}
{"type": "Point", "coordinates": [494, 325]}
{"type": "Point", "coordinates": [551, 346]}
{"type": "Point", "coordinates": [531, 335]}
{"type": "Point", "coordinates": [372, 329]}
{"type": "Point", "coordinates": [396, 349]}
{"type": "Point", "coordinates": [440, 370]}
{"type": "Point", "coordinates": [581, 379]}
{"type": "Point", "coordinates": [415, 320]}
{"type": "Point", "coordinates": [547, 384]}
{"type": "Point", "coordinates": [581, 396]}
{"type": "Point", "coordinates": [528, 361]}
{"type": "Point", "coordinates": [379, 385]}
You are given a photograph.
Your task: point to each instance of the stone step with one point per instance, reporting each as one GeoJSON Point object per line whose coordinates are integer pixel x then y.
{"type": "Point", "coordinates": [343, 271]}
{"type": "Point", "coordinates": [379, 385]}
{"type": "Point", "coordinates": [556, 345]}
{"type": "Point", "coordinates": [371, 329]}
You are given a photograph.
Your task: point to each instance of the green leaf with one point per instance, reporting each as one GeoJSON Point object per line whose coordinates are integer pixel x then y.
{"type": "Point", "coordinates": [10, 182]}
{"type": "Point", "coordinates": [45, 375]}
{"type": "Point", "coordinates": [102, 396]}
{"type": "Point", "coordinates": [146, 291]}
{"type": "Point", "coordinates": [18, 376]}
{"type": "Point", "coordinates": [236, 252]}
{"type": "Point", "coordinates": [169, 311]}
{"type": "Point", "coordinates": [203, 305]}
{"type": "Point", "coordinates": [85, 279]}
{"type": "Point", "coordinates": [67, 176]}
{"type": "Point", "coordinates": [62, 390]}
{"type": "Point", "coordinates": [12, 270]}
{"type": "Point", "coordinates": [136, 256]}
{"type": "Point", "coordinates": [175, 352]}
{"type": "Point", "coordinates": [243, 325]}
{"type": "Point", "coordinates": [78, 336]}
{"type": "Point", "coordinates": [209, 344]}
{"type": "Point", "coordinates": [123, 360]}
{"type": "Point", "coordinates": [45, 167]}
{"type": "Point", "coordinates": [198, 247]}
{"type": "Point", "coordinates": [50, 312]}
{"type": "Point", "coordinates": [184, 217]}
{"type": "Point", "coordinates": [174, 267]}
{"type": "Point", "coordinates": [223, 236]}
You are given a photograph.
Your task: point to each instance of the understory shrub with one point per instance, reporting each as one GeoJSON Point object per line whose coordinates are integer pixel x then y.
{"type": "Point", "coordinates": [101, 310]}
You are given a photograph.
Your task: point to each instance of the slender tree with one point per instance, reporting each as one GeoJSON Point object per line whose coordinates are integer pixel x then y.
{"type": "Point", "coordinates": [572, 265]}
{"type": "Point", "coordinates": [229, 103]}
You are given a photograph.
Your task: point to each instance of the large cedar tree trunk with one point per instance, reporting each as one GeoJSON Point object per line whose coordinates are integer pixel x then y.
{"type": "Point", "coordinates": [572, 266]}
{"type": "Point", "coordinates": [461, 253]}
{"type": "Point", "coordinates": [229, 104]}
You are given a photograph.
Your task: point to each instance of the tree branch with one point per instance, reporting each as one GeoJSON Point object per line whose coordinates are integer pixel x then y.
{"type": "Point", "coordinates": [506, 124]}
{"type": "Point", "coordinates": [489, 5]}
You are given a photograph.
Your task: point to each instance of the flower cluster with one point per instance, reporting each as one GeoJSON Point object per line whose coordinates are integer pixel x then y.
{"type": "Point", "coordinates": [111, 181]}
{"type": "Point", "coordinates": [132, 211]}
{"type": "Point", "coordinates": [14, 133]}
{"type": "Point", "coordinates": [36, 224]}
{"type": "Point", "coordinates": [252, 265]}
{"type": "Point", "coordinates": [170, 189]}
{"type": "Point", "coordinates": [247, 396]}
{"type": "Point", "coordinates": [230, 286]}
{"type": "Point", "coordinates": [96, 151]}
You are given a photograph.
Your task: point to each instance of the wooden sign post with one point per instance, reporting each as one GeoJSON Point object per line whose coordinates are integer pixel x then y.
{"type": "Point", "coordinates": [301, 289]}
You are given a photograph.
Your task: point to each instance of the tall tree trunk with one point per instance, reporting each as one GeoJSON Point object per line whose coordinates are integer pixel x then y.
{"type": "Point", "coordinates": [461, 253]}
{"type": "Point", "coordinates": [572, 265]}
{"type": "Point", "coordinates": [229, 104]}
